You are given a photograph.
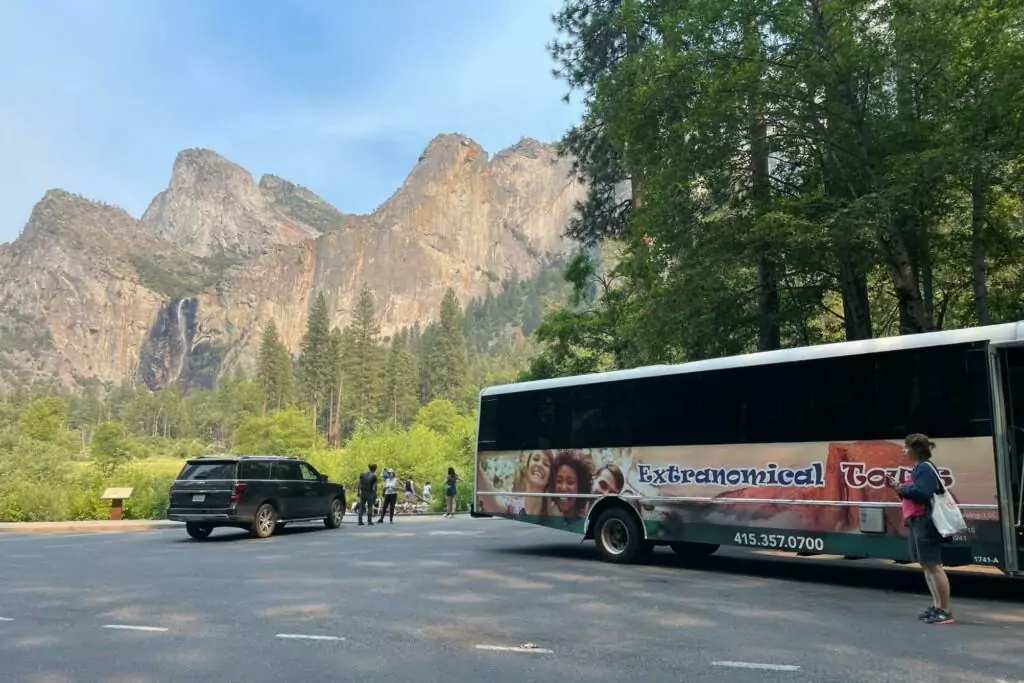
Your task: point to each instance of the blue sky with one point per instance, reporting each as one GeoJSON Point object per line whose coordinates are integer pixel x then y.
{"type": "Point", "coordinates": [339, 95]}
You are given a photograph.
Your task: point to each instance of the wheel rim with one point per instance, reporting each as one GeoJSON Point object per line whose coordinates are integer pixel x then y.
{"type": "Point", "coordinates": [266, 520]}
{"type": "Point", "coordinates": [336, 512]}
{"type": "Point", "coordinates": [615, 536]}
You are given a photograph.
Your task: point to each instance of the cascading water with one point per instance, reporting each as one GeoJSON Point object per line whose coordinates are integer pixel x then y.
{"type": "Point", "coordinates": [182, 340]}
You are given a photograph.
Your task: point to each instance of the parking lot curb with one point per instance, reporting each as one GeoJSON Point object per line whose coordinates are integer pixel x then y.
{"type": "Point", "coordinates": [85, 527]}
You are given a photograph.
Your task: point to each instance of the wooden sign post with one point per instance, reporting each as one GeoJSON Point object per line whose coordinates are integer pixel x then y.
{"type": "Point", "coordinates": [117, 496]}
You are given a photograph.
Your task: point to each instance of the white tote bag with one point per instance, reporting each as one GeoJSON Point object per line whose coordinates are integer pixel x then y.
{"type": "Point", "coordinates": [945, 512]}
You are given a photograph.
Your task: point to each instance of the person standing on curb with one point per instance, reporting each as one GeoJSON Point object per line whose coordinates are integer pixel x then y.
{"type": "Point", "coordinates": [924, 540]}
{"type": "Point", "coordinates": [449, 492]}
{"type": "Point", "coordinates": [367, 494]}
{"type": "Point", "coordinates": [390, 496]}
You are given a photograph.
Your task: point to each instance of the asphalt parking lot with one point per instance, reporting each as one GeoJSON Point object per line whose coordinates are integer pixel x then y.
{"type": "Point", "coordinates": [433, 599]}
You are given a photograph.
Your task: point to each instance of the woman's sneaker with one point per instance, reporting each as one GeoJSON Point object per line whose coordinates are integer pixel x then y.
{"type": "Point", "coordinates": [927, 614]}
{"type": "Point", "coordinates": [940, 616]}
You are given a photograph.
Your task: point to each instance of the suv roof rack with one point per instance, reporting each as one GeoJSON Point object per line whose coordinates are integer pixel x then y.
{"type": "Point", "coordinates": [235, 456]}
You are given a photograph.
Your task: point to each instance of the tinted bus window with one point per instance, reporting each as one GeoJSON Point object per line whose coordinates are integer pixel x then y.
{"type": "Point", "coordinates": [487, 428]}
{"type": "Point", "coordinates": [600, 415]}
{"type": "Point", "coordinates": [848, 398]}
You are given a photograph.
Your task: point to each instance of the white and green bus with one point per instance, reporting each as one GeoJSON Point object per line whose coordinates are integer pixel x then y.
{"type": "Point", "coordinates": [784, 450]}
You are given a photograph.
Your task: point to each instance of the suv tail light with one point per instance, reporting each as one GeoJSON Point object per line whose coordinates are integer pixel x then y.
{"type": "Point", "coordinates": [238, 491]}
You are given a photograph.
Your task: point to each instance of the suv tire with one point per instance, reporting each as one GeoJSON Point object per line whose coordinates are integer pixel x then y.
{"type": "Point", "coordinates": [198, 531]}
{"type": "Point", "coordinates": [264, 522]}
{"type": "Point", "coordinates": [335, 514]}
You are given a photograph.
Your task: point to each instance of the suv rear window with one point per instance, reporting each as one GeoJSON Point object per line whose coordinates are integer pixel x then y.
{"type": "Point", "coordinates": [208, 470]}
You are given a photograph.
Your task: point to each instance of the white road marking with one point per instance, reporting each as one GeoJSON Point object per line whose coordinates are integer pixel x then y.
{"type": "Point", "coordinates": [126, 627]}
{"type": "Point", "coordinates": [454, 533]}
{"type": "Point", "coordinates": [5, 619]}
{"type": "Point", "coordinates": [299, 636]}
{"type": "Point", "coordinates": [758, 665]}
{"type": "Point", "coordinates": [506, 648]}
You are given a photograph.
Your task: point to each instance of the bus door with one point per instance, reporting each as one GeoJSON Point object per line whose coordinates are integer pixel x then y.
{"type": "Point", "coordinates": [1008, 367]}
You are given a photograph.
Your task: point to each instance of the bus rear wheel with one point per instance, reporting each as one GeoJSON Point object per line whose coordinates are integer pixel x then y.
{"type": "Point", "coordinates": [618, 536]}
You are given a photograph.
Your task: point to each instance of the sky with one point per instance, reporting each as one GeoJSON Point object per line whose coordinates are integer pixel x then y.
{"type": "Point", "coordinates": [341, 96]}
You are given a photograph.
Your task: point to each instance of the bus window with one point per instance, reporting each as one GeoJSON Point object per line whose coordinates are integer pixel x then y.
{"type": "Point", "coordinates": [600, 415]}
{"type": "Point", "coordinates": [487, 436]}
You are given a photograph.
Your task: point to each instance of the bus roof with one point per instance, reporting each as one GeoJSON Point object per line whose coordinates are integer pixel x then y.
{"type": "Point", "coordinates": [1004, 334]}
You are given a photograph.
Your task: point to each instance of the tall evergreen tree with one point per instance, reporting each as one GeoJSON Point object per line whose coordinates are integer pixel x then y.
{"type": "Point", "coordinates": [402, 395]}
{"type": "Point", "coordinates": [317, 360]}
{"type": "Point", "coordinates": [447, 357]}
{"type": "Point", "coordinates": [363, 362]}
{"type": "Point", "coordinates": [274, 371]}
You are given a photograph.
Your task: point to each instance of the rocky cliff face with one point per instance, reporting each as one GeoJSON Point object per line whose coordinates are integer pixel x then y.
{"type": "Point", "coordinates": [114, 298]}
{"type": "Point", "coordinates": [72, 302]}
{"type": "Point", "coordinates": [459, 220]}
{"type": "Point", "coordinates": [214, 206]}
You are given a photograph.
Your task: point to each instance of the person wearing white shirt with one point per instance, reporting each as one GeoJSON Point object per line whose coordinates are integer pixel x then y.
{"type": "Point", "coordinates": [390, 496]}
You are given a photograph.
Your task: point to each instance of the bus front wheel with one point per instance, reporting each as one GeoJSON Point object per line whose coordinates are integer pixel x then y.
{"type": "Point", "coordinates": [618, 536]}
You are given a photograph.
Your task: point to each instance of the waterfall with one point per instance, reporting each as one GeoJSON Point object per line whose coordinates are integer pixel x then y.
{"type": "Point", "coordinates": [182, 340]}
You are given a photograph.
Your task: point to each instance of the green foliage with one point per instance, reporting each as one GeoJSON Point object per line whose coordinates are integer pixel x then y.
{"type": "Point", "coordinates": [178, 277]}
{"type": "Point", "coordinates": [282, 432]}
{"type": "Point", "coordinates": [274, 372]}
{"type": "Point", "coordinates": [318, 358]}
{"type": "Point", "coordinates": [43, 418]}
{"type": "Point", "coordinates": [111, 445]}
{"type": "Point", "coordinates": [797, 176]}
{"type": "Point", "coordinates": [445, 371]}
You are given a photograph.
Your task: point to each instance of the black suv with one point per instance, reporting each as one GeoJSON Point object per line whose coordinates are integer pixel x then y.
{"type": "Point", "coordinates": [260, 493]}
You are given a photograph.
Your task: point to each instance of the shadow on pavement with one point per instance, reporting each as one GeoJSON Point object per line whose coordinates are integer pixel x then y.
{"type": "Point", "coordinates": [230, 535]}
{"type": "Point", "coordinates": [855, 573]}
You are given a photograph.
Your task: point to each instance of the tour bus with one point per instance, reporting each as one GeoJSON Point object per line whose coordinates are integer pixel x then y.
{"type": "Point", "coordinates": [784, 450]}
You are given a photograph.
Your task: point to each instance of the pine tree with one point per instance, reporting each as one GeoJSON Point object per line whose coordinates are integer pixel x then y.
{"type": "Point", "coordinates": [402, 395]}
{"type": "Point", "coordinates": [363, 361]}
{"type": "Point", "coordinates": [317, 360]}
{"type": "Point", "coordinates": [448, 363]}
{"type": "Point", "coordinates": [274, 371]}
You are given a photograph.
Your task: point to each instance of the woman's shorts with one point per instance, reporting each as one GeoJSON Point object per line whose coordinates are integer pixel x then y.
{"type": "Point", "coordinates": [924, 541]}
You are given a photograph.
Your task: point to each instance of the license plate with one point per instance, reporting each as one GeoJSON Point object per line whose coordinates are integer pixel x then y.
{"type": "Point", "coordinates": [199, 498]}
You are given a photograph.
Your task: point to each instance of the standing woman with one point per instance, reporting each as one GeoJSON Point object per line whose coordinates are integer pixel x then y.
{"type": "Point", "coordinates": [449, 492]}
{"type": "Point", "coordinates": [924, 540]}
{"type": "Point", "coordinates": [390, 496]}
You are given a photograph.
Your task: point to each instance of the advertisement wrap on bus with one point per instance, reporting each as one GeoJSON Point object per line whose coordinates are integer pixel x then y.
{"type": "Point", "coordinates": [819, 498]}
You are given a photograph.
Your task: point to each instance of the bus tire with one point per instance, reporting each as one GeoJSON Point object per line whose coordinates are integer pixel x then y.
{"type": "Point", "coordinates": [618, 536]}
{"type": "Point", "coordinates": [690, 551]}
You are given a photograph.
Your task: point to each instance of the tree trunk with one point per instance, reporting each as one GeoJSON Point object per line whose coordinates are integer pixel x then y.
{"type": "Point", "coordinates": [841, 181]}
{"type": "Point", "coordinates": [913, 317]}
{"type": "Point", "coordinates": [979, 263]}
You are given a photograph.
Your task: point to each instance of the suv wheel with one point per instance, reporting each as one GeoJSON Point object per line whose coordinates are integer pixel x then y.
{"type": "Point", "coordinates": [335, 514]}
{"type": "Point", "coordinates": [264, 522]}
{"type": "Point", "coordinates": [198, 531]}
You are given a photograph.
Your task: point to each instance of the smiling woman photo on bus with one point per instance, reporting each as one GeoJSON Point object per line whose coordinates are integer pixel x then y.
{"type": "Point", "coordinates": [533, 476]}
{"type": "Point", "coordinates": [571, 473]}
{"type": "Point", "coordinates": [923, 539]}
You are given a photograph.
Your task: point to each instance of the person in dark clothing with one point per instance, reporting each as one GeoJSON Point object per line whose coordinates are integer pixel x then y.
{"type": "Point", "coordinates": [367, 494]}
{"type": "Point", "coordinates": [923, 539]}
